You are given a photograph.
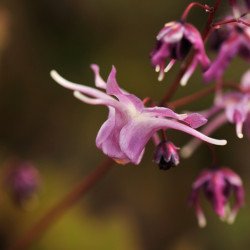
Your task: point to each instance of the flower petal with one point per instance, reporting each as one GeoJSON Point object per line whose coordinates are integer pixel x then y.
{"type": "Point", "coordinates": [99, 82]}
{"type": "Point", "coordinates": [195, 120]}
{"type": "Point", "coordinates": [136, 133]}
{"type": "Point", "coordinates": [108, 137]}
{"type": "Point", "coordinates": [82, 88]}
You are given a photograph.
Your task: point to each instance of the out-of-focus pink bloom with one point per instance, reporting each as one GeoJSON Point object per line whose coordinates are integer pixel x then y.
{"type": "Point", "coordinates": [166, 155]}
{"type": "Point", "coordinates": [130, 125]}
{"type": "Point", "coordinates": [237, 105]}
{"type": "Point", "coordinates": [237, 42]}
{"type": "Point", "coordinates": [233, 107]}
{"type": "Point", "coordinates": [174, 41]}
{"type": "Point", "coordinates": [23, 181]}
{"type": "Point", "coordinates": [218, 184]}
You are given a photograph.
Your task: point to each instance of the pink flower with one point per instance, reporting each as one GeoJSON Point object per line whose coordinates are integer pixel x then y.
{"type": "Point", "coordinates": [237, 42]}
{"type": "Point", "coordinates": [166, 155]}
{"type": "Point", "coordinates": [237, 105]}
{"type": "Point", "coordinates": [23, 181]}
{"type": "Point", "coordinates": [174, 41]}
{"type": "Point", "coordinates": [218, 184]}
{"type": "Point", "coordinates": [130, 125]}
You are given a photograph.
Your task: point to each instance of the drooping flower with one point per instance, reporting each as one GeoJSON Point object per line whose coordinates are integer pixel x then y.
{"type": "Point", "coordinates": [130, 125]}
{"type": "Point", "coordinates": [237, 42]}
{"type": "Point", "coordinates": [237, 105]}
{"type": "Point", "coordinates": [174, 41]}
{"type": "Point", "coordinates": [166, 155]}
{"type": "Point", "coordinates": [218, 184]}
{"type": "Point", "coordinates": [233, 107]}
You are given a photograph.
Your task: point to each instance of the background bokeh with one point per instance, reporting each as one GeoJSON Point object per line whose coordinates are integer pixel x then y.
{"type": "Point", "coordinates": [133, 207]}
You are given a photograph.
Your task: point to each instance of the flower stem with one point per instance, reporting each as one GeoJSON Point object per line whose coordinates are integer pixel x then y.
{"type": "Point", "coordinates": [62, 206]}
{"type": "Point", "coordinates": [183, 70]}
{"type": "Point", "coordinates": [191, 5]}
{"type": "Point", "coordinates": [200, 94]}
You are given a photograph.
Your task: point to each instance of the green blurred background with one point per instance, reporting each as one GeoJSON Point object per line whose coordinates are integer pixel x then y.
{"type": "Point", "coordinates": [133, 207]}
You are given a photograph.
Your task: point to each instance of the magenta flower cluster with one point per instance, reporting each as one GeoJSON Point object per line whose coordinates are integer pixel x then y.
{"type": "Point", "coordinates": [132, 122]}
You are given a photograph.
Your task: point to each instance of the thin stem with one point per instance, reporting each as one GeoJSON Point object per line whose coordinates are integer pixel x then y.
{"type": "Point", "coordinates": [191, 5]}
{"type": "Point", "coordinates": [200, 94]}
{"type": "Point", "coordinates": [231, 20]}
{"type": "Point", "coordinates": [183, 70]}
{"type": "Point", "coordinates": [214, 155]}
{"type": "Point", "coordinates": [62, 206]}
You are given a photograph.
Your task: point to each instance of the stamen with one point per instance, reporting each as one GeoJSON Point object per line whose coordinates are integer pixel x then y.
{"type": "Point", "coordinates": [157, 68]}
{"type": "Point", "coordinates": [161, 76]}
{"type": "Point", "coordinates": [169, 66]}
{"type": "Point", "coordinates": [188, 73]}
{"type": "Point", "coordinates": [201, 220]}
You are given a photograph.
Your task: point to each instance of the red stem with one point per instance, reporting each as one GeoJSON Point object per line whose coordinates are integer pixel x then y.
{"type": "Point", "coordinates": [200, 94]}
{"type": "Point", "coordinates": [62, 206]}
{"type": "Point", "coordinates": [190, 6]}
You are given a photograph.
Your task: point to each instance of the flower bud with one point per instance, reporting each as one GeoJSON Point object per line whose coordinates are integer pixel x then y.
{"type": "Point", "coordinates": [166, 155]}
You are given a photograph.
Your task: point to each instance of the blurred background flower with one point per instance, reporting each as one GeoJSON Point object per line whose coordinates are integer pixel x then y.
{"type": "Point", "coordinates": [132, 207]}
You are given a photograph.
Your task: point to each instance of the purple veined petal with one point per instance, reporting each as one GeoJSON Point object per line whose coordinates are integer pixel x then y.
{"type": "Point", "coordinates": [189, 72]}
{"type": "Point", "coordinates": [81, 88]}
{"type": "Point", "coordinates": [195, 120]}
{"type": "Point", "coordinates": [162, 111]}
{"type": "Point", "coordinates": [99, 82]}
{"type": "Point", "coordinates": [245, 81]}
{"type": "Point", "coordinates": [136, 133]}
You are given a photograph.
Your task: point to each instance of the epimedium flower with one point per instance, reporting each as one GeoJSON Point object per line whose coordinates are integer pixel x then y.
{"type": "Point", "coordinates": [23, 181]}
{"type": "Point", "coordinates": [218, 184]}
{"type": "Point", "coordinates": [236, 42]}
{"type": "Point", "coordinates": [233, 107]}
{"type": "Point", "coordinates": [130, 124]}
{"type": "Point", "coordinates": [237, 105]}
{"type": "Point", "coordinates": [174, 41]}
{"type": "Point", "coordinates": [166, 155]}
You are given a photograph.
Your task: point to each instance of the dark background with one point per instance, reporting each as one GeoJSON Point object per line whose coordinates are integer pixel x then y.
{"type": "Point", "coordinates": [133, 207]}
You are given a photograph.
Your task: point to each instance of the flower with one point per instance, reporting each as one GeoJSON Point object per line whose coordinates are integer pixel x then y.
{"type": "Point", "coordinates": [23, 181]}
{"type": "Point", "coordinates": [236, 42]}
{"type": "Point", "coordinates": [130, 125]}
{"type": "Point", "coordinates": [174, 41]}
{"type": "Point", "coordinates": [237, 105]}
{"type": "Point", "coordinates": [233, 107]}
{"type": "Point", "coordinates": [166, 155]}
{"type": "Point", "coordinates": [218, 184]}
